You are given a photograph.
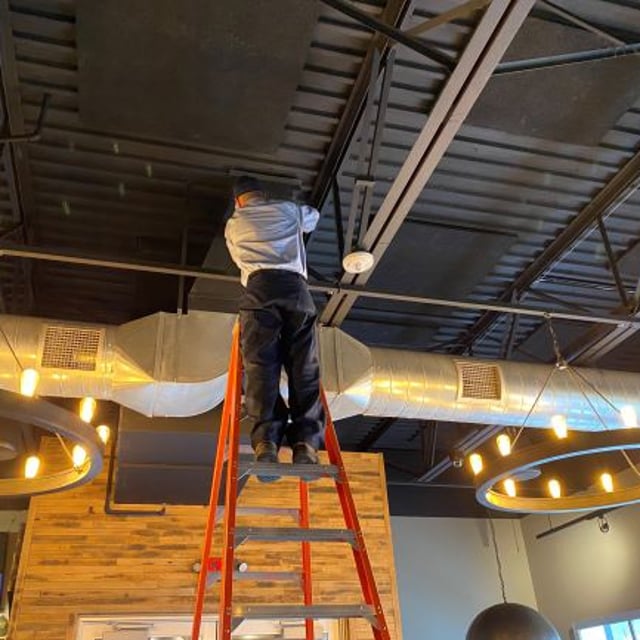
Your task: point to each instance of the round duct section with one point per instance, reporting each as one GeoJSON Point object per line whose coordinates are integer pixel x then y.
{"type": "Point", "coordinates": [425, 386]}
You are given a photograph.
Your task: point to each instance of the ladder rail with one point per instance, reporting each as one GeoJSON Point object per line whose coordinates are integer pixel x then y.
{"type": "Point", "coordinates": [360, 555]}
{"type": "Point", "coordinates": [216, 481]}
{"type": "Point", "coordinates": [307, 587]}
{"type": "Point", "coordinates": [228, 554]}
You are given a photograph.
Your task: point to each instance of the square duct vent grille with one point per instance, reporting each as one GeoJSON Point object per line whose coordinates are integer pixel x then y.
{"type": "Point", "coordinates": [479, 381]}
{"type": "Point", "coordinates": [75, 348]}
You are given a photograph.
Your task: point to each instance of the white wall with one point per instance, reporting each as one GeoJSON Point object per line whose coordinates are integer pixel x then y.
{"type": "Point", "coordinates": [446, 573]}
{"type": "Point", "coordinates": [580, 573]}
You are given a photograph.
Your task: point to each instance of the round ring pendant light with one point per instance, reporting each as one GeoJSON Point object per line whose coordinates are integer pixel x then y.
{"type": "Point", "coordinates": [57, 421]}
{"type": "Point", "coordinates": [490, 480]}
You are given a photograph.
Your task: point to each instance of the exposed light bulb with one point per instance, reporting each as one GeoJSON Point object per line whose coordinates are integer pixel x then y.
{"type": "Point", "coordinates": [607, 482]}
{"type": "Point", "coordinates": [559, 424]}
{"type": "Point", "coordinates": [475, 460]}
{"type": "Point", "coordinates": [510, 487]}
{"type": "Point", "coordinates": [79, 455]}
{"type": "Point", "coordinates": [629, 416]}
{"type": "Point", "coordinates": [554, 488]}
{"type": "Point", "coordinates": [31, 467]}
{"type": "Point", "coordinates": [29, 379]}
{"type": "Point", "coordinates": [87, 409]}
{"type": "Point", "coordinates": [104, 433]}
{"type": "Point", "coordinates": [504, 444]}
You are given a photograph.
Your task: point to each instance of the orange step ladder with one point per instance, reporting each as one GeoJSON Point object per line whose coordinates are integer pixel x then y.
{"type": "Point", "coordinates": [231, 616]}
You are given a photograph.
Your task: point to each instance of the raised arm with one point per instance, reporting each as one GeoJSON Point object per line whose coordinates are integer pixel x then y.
{"type": "Point", "coordinates": [310, 217]}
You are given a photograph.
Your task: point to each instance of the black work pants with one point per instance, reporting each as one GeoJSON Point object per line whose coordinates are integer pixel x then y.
{"type": "Point", "coordinates": [277, 329]}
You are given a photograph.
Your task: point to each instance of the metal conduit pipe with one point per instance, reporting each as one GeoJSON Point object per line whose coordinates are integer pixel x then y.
{"type": "Point", "coordinates": [65, 257]}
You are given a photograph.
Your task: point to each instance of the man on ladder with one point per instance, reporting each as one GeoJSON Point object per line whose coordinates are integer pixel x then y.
{"type": "Point", "coordinates": [277, 322]}
{"type": "Point", "coordinates": [277, 329]}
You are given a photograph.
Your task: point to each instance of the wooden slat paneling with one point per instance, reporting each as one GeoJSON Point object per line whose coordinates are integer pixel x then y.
{"type": "Point", "coordinates": [78, 560]}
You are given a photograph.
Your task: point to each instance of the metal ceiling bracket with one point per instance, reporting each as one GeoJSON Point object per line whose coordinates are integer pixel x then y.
{"type": "Point", "coordinates": [375, 147]}
{"type": "Point", "coordinates": [613, 265]}
{"type": "Point", "coordinates": [464, 447]}
{"type": "Point", "coordinates": [34, 135]}
{"type": "Point", "coordinates": [565, 525]}
{"type": "Point", "coordinates": [362, 184]}
{"type": "Point", "coordinates": [392, 33]}
{"type": "Point", "coordinates": [337, 212]}
{"type": "Point", "coordinates": [395, 13]}
{"type": "Point", "coordinates": [448, 16]}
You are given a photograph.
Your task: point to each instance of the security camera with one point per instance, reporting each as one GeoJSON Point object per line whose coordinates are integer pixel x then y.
{"type": "Point", "coordinates": [457, 459]}
{"type": "Point", "coordinates": [603, 524]}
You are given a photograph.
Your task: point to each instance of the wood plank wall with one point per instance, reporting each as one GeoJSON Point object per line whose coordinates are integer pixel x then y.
{"type": "Point", "coordinates": [78, 560]}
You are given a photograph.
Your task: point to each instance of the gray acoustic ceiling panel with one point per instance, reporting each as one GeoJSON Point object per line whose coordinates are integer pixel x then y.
{"type": "Point", "coordinates": [577, 103]}
{"type": "Point", "coordinates": [435, 260]}
{"type": "Point", "coordinates": [220, 73]}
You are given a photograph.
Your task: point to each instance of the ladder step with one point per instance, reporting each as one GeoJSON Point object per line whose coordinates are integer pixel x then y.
{"type": "Point", "coordinates": [306, 471]}
{"type": "Point", "coordinates": [263, 511]}
{"type": "Point", "coordinates": [257, 576]}
{"type": "Point", "coordinates": [301, 612]}
{"type": "Point", "coordinates": [293, 534]}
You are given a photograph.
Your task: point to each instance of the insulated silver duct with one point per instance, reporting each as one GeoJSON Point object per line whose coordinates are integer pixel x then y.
{"type": "Point", "coordinates": [175, 366]}
{"type": "Point", "coordinates": [160, 365]}
{"type": "Point", "coordinates": [403, 384]}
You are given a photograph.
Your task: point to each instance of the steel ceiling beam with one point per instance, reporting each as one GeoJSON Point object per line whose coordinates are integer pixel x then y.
{"type": "Point", "coordinates": [397, 35]}
{"type": "Point", "coordinates": [394, 14]}
{"type": "Point", "coordinates": [461, 11]}
{"type": "Point", "coordinates": [495, 31]}
{"type": "Point", "coordinates": [564, 59]}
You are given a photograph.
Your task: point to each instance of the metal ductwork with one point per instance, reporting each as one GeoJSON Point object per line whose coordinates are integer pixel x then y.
{"type": "Point", "coordinates": [175, 366]}
{"type": "Point", "coordinates": [404, 384]}
{"type": "Point", "coordinates": [160, 365]}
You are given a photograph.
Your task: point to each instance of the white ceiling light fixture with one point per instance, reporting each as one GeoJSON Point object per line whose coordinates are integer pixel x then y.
{"type": "Point", "coordinates": [358, 262]}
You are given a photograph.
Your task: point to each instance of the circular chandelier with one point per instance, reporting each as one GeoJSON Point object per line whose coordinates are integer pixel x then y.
{"type": "Point", "coordinates": [86, 456]}
{"type": "Point", "coordinates": [496, 481]}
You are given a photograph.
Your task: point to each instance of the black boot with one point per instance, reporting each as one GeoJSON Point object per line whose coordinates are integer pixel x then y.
{"type": "Point", "coordinates": [267, 451]}
{"type": "Point", "coordinates": [304, 453]}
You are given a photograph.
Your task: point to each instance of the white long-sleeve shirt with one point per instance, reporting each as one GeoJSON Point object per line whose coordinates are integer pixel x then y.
{"type": "Point", "coordinates": [268, 235]}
